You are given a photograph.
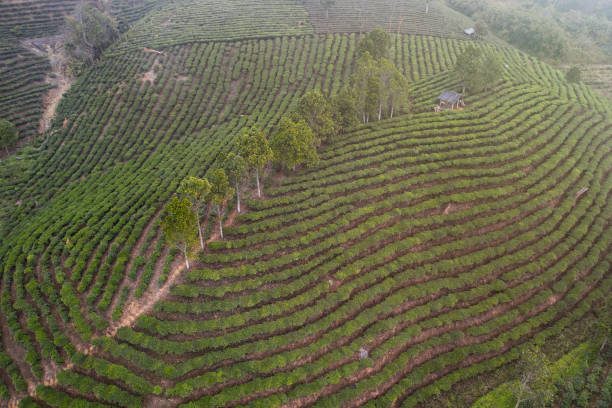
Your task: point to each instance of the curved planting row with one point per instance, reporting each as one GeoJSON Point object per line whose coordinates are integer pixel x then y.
{"type": "Point", "coordinates": [436, 289]}
{"type": "Point", "coordinates": [22, 76]}
{"type": "Point", "coordinates": [94, 189]}
{"type": "Point", "coordinates": [406, 16]}
{"type": "Point", "coordinates": [406, 225]}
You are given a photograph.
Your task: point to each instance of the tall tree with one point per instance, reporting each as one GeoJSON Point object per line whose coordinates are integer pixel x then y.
{"type": "Point", "coordinates": [316, 110]}
{"type": "Point", "coordinates": [237, 170]}
{"type": "Point", "coordinates": [491, 68]}
{"type": "Point", "coordinates": [377, 43]}
{"type": "Point", "coordinates": [178, 224]}
{"type": "Point", "coordinates": [196, 191]}
{"type": "Point", "coordinates": [294, 143]}
{"type": "Point", "coordinates": [254, 147]}
{"type": "Point", "coordinates": [8, 134]}
{"type": "Point", "coordinates": [467, 67]}
{"type": "Point", "coordinates": [363, 87]}
{"type": "Point", "coordinates": [478, 70]}
{"type": "Point", "coordinates": [344, 109]}
{"type": "Point", "coordinates": [327, 4]}
{"type": "Point", "coordinates": [399, 92]}
{"type": "Point", "coordinates": [220, 191]}
{"type": "Point", "coordinates": [536, 384]}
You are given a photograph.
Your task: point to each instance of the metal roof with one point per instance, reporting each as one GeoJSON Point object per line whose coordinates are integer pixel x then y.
{"type": "Point", "coordinates": [450, 97]}
{"type": "Point", "coordinates": [469, 31]}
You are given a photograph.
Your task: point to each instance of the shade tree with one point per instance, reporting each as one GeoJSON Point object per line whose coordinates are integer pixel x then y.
{"type": "Point", "coordinates": [178, 225]}
{"type": "Point", "coordinates": [237, 171]}
{"type": "Point", "coordinates": [294, 143]}
{"type": "Point", "coordinates": [220, 191]}
{"type": "Point", "coordinates": [316, 110]}
{"type": "Point", "coordinates": [196, 191]}
{"type": "Point", "coordinates": [376, 43]}
{"type": "Point", "coordinates": [254, 147]}
{"type": "Point", "coordinates": [8, 134]}
{"type": "Point", "coordinates": [477, 70]}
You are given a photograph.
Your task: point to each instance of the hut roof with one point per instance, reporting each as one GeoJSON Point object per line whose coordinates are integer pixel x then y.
{"type": "Point", "coordinates": [469, 31]}
{"type": "Point", "coordinates": [450, 97]}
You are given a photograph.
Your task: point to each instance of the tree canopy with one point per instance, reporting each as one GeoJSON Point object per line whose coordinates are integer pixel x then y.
{"type": "Point", "coordinates": [237, 171]}
{"type": "Point", "coordinates": [477, 70]}
{"type": "Point", "coordinates": [376, 43]}
{"type": "Point", "coordinates": [8, 134]}
{"type": "Point", "coordinates": [316, 110]}
{"type": "Point", "coordinates": [179, 225]}
{"type": "Point", "coordinates": [90, 30]}
{"type": "Point", "coordinates": [294, 143]}
{"type": "Point", "coordinates": [196, 191]}
{"type": "Point", "coordinates": [254, 147]}
{"type": "Point", "coordinates": [220, 191]}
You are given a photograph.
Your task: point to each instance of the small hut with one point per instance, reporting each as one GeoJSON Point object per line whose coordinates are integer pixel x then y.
{"type": "Point", "coordinates": [450, 100]}
{"type": "Point", "coordinates": [469, 31]}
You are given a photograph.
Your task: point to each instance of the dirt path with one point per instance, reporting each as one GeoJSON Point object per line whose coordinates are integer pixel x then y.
{"type": "Point", "coordinates": [52, 48]}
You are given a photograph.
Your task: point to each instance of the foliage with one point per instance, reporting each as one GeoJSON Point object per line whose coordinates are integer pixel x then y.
{"type": "Point", "coordinates": [196, 191]}
{"type": "Point", "coordinates": [344, 109]}
{"type": "Point", "coordinates": [179, 225]}
{"type": "Point", "coordinates": [573, 75]}
{"type": "Point", "coordinates": [477, 70]}
{"type": "Point", "coordinates": [8, 134]}
{"type": "Point", "coordinates": [220, 191]}
{"type": "Point", "coordinates": [316, 110]}
{"type": "Point", "coordinates": [294, 143]}
{"type": "Point", "coordinates": [89, 32]}
{"type": "Point", "coordinates": [535, 385]}
{"type": "Point", "coordinates": [237, 170]}
{"type": "Point", "coordinates": [376, 43]}
{"type": "Point", "coordinates": [254, 147]}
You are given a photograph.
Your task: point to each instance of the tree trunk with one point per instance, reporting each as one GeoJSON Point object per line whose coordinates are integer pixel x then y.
{"type": "Point", "coordinates": [363, 115]}
{"type": "Point", "coordinates": [220, 220]}
{"type": "Point", "coordinates": [237, 198]}
{"type": "Point", "coordinates": [518, 399]}
{"type": "Point", "coordinates": [200, 229]}
{"type": "Point", "coordinates": [379, 111]}
{"type": "Point", "coordinates": [258, 187]}
{"type": "Point", "coordinates": [391, 117]}
{"type": "Point", "coordinates": [186, 258]}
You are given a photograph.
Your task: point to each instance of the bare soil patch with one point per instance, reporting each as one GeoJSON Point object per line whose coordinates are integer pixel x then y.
{"type": "Point", "coordinates": [51, 47]}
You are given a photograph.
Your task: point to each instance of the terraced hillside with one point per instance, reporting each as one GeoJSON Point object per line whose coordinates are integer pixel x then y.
{"type": "Point", "coordinates": [22, 85]}
{"type": "Point", "coordinates": [438, 244]}
{"type": "Point", "coordinates": [27, 76]}
{"type": "Point", "coordinates": [398, 16]}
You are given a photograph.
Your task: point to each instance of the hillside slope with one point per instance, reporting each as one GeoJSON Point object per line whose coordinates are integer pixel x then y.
{"type": "Point", "coordinates": [438, 243]}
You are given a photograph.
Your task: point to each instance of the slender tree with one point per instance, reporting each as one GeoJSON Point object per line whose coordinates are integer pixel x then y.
{"type": "Point", "coordinates": [364, 88]}
{"type": "Point", "coordinates": [220, 191]}
{"type": "Point", "coordinates": [294, 143]}
{"type": "Point", "coordinates": [237, 170]}
{"type": "Point", "coordinates": [399, 92]}
{"type": "Point", "coordinates": [178, 224]}
{"type": "Point", "coordinates": [196, 191]}
{"type": "Point", "coordinates": [254, 147]}
{"type": "Point", "coordinates": [8, 134]}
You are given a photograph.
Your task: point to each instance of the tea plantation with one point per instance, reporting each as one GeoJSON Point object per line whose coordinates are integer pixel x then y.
{"type": "Point", "coordinates": [422, 251]}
